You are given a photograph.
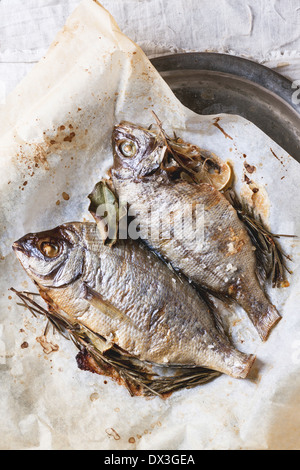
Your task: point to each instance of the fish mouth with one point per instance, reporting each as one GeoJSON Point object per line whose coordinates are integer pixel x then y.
{"type": "Point", "coordinates": [20, 247]}
{"type": "Point", "coordinates": [17, 246]}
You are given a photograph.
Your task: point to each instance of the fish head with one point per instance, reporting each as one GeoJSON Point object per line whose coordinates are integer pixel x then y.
{"type": "Point", "coordinates": [138, 152]}
{"type": "Point", "coordinates": [53, 258]}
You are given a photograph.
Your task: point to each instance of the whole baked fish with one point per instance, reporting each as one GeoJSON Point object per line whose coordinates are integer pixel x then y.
{"type": "Point", "coordinates": [217, 255]}
{"type": "Point", "coordinates": [129, 296]}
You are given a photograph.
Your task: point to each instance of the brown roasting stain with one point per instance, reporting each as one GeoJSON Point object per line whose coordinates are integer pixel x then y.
{"type": "Point", "coordinates": [111, 432]}
{"type": "Point", "coordinates": [70, 29]}
{"type": "Point", "coordinates": [232, 290]}
{"type": "Point", "coordinates": [249, 168]}
{"type": "Point", "coordinates": [47, 346]}
{"type": "Point", "coordinates": [275, 155]}
{"type": "Point", "coordinates": [235, 242]}
{"type": "Point", "coordinates": [87, 363]}
{"type": "Point", "coordinates": [256, 197]}
{"type": "Point", "coordinates": [94, 397]}
{"type": "Point", "coordinates": [70, 137]}
{"type": "Point", "coordinates": [64, 137]}
{"type": "Point", "coordinates": [235, 247]}
{"type": "Point", "coordinates": [216, 124]}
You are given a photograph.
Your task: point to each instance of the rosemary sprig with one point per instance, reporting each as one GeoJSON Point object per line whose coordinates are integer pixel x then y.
{"type": "Point", "coordinates": [189, 158]}
{"type": "Point", "coordinates": [270, 256]}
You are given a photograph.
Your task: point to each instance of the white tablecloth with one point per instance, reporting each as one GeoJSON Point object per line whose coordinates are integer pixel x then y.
{"type": "Point", "coordinates": [266, 31]}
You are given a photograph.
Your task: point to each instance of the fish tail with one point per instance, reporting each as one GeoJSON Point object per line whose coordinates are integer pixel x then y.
{"type": "Point", "coordinates": [261, 312]}
{"type": "Point", "coordinates": [267, 321]}
{"type": "Point", "coordinates": [247, 361]}
{"type": "Point", "coordinates": [237, 364]}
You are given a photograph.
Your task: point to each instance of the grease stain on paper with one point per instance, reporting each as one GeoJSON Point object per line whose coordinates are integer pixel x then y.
{"type": "Point", "coordinates": [35, 154]}
{"type": "Point", "coordinates": [256, 197]}
{"type": "Point", "coordinates": [111, 432]}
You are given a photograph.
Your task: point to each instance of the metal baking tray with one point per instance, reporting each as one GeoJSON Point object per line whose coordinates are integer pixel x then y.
{"type": "Point", "coordinates": [211, 83]}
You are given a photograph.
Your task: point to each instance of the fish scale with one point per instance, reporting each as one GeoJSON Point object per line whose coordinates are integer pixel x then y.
{"type": "Point", "coordinates": [223, 261]}
{"type": "Point", "coordinates": [139, 308]}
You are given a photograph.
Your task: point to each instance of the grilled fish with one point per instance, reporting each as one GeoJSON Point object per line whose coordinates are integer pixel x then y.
{"type": "Point", "coordinates": [128, 296]}
{"type": "Point", "coordinates": [223, 259]}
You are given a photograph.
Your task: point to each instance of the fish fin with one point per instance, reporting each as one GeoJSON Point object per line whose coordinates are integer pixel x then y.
{"type": "Point", "coordinates": [261, 312]}
{"type": "Point", "coordinates": [214, 310]}
{"type": "Point", "coordinates": [271, 259]}
{"type": "Point", "coordinates": [267, 321]}
{"type": "Point", "coordinates": [243, 365]}
{"type": "Point", "coordinates": [105, 307]}
{"type": "Point", "coordinates": [182, 378]}
{"type": "Point", "coordinates": [180, 276]}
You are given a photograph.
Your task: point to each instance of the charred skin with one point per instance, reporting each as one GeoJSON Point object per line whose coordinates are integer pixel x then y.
{"type": "Point", "coordinates": [143, 309]}
{"type": "Point", "coordinates": [223, 262]}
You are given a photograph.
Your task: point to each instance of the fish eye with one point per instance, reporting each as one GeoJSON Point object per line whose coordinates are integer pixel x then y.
{"type": "Point", "coordinates": [128, 148]}
{"type": "Point", "coordinates": [49, 249]}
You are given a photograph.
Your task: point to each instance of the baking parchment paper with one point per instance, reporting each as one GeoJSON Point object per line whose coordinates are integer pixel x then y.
{"type": "Point", "coordinates": [55, 144]}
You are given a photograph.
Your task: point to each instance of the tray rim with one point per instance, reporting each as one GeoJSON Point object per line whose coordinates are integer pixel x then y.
{"type": "Point", "coordinates": [237, 66]}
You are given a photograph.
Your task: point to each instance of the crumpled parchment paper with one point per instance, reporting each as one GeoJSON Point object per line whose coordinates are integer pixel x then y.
{"type": "Point", "coordinates": [55, 134]}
